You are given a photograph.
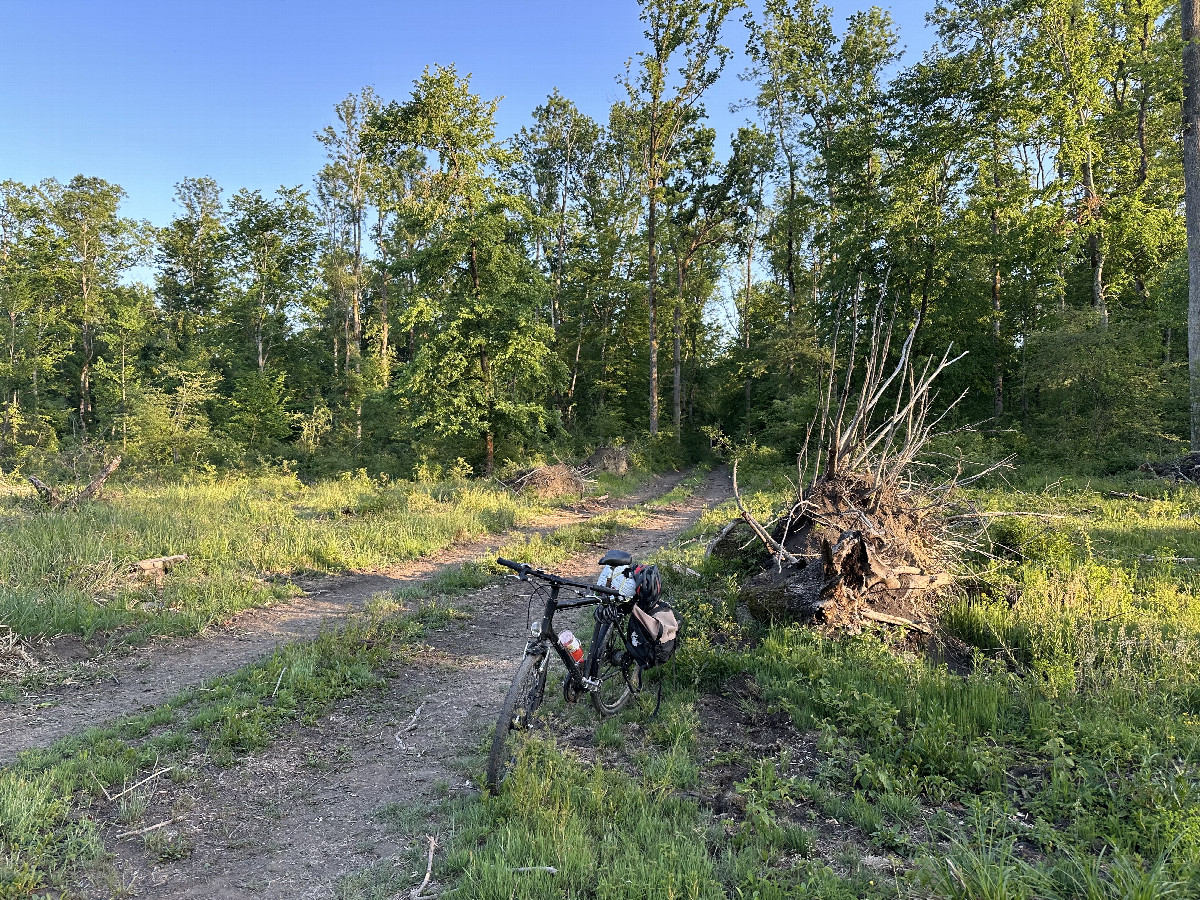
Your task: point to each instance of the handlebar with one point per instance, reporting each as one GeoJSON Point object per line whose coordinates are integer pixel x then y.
{"type": "Point", "coordinates": [524, 570]}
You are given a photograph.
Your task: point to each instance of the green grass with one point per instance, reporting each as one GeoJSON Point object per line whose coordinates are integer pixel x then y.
{"type": "Point", "coordinates": [1066, 766]}
{"type": "Point", "coordinates": [67, 571]}
{"type": "Point", "coordinates": [52, 799]}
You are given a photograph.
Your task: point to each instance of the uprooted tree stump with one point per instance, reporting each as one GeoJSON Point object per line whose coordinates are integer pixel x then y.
{"type": "Point", "coordinates": [852, 552]}
{"type": "Point", "coordinates": [862, 541]}
{"type": "Point", "coordinates": [53, 499]}
{"type": "Point", "coordinates": [1186, 468]}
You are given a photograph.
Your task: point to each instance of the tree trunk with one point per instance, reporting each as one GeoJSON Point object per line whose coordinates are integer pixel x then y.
{"type": "Point", "coordinates": [385, 358]}
{"type": "Point", "coordinates": [1190, 15]}
{"type": "Point", "coordinates": [997, 310]}
{"type": "Point", "coordinates": [489, 450]}
{"type": "Point", "coordinates": [677, 383]}
{"type": "Point", "coordinates": [653, 303]}
{"type": "Point", "coordinates": [1095, 251]}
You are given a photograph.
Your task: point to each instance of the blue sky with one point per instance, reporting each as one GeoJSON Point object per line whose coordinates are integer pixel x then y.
{"type": "Point", "coordinates": [146, 93]}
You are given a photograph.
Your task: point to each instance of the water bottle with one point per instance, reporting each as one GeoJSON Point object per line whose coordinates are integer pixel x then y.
{"type": "Point", "coordinates": [571, 644]}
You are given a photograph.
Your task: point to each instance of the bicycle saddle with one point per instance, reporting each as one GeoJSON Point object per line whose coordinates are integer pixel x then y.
{"type": "Point", "coordinates": [616, 559]}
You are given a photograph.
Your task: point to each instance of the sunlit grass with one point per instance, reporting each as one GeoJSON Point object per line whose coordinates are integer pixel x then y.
{"type": "Point", "coordinates": [1062, 767]}
{"type": "Point", "coordinates": [67, 571]}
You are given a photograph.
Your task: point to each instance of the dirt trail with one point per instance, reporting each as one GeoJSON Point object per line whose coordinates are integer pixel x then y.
{"type": "Point", "coordinates": [293, 820]}
{"type": "Point", "coordinates": [150, 675]}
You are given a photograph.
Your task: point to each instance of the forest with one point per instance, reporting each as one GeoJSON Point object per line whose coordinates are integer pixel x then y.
{"type": "Point", "coordinates": [442, 293]}
{"type": "Point", "coordinates": [887, 388]}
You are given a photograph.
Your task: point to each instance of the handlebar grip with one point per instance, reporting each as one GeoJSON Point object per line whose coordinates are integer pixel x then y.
{"type": "Point", "coordinates": [522, 568]}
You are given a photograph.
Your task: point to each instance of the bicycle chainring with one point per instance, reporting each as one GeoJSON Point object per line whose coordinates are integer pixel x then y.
{"type": "Point", "coordinates": [570, 691]}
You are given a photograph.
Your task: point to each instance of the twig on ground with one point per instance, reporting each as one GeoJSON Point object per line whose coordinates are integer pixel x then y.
{"type": "Point", "coordinates": [416, 892]}
{"type": "Point", "coordinates": [995, 515]}
{"type": "Point", "coordinates": [893, 620]}
{"type": "Point", "coordinates": [279, 681]}
{"type": "Point", "coordinates": [550, 869]}
{"type": "Point", "coordinates": [139, 784]}
{"type": "Point", "coordinates": [413, 721]}
{"type": "Point", "coordinates": [148, 828]}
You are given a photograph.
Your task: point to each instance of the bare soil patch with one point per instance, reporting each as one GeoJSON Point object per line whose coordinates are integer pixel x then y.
{"type": "Point", "coordinates": [88, 685]}
{"type": "Point", "coordinates": [291, 821]}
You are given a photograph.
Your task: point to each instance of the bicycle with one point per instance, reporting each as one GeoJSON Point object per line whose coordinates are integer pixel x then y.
{"type": "Point", "coordinates": [609, 674]}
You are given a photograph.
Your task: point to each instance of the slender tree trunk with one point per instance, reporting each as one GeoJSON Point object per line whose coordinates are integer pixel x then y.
{"type": "Point", "coordinates": [1190, 15]}
{"type": "Point", "coordinates": [489, 449]}
{"type": "Point", "coordinates": [575, 370]}
{"type": "Point", "coordinates": [746, 329]}
{"type": "Point", "coordinates": [653, 303]}
{"type": "Point", "coordinates": [677, 383]}
{"type": "Point", "coordinates": [124, 401]}
{"type": "Point", "coordinates": [1095, 247]}
{"type": "Point", "coordinates": [1143, 103]}
{"type": "Point", "coordinates": [997, 310]}
{"type": "Point", "coordinates": [385, 356]}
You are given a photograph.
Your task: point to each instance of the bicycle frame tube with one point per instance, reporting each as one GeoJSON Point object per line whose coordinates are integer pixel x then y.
{"type": "Point", "coordinates": [547, 635]}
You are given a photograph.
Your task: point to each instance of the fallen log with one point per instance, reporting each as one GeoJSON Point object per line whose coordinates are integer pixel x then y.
{"type": "Point", "coordinates": [53, 499]}
{"type": "Point", "coordinates": [157, 563]}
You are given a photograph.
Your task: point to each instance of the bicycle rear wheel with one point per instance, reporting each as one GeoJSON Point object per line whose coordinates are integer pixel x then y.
{"type": "Point", "coordinates": [608, 665]}
{"type": "Point", "coordinates": [516, 714]}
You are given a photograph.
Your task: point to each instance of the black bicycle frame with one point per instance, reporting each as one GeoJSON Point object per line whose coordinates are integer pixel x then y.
{"type": "Point", "coordinates": [546, 632]}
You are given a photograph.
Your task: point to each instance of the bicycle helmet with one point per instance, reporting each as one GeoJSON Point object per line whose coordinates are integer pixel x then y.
{"type": "Point", "coordinates": [647, 585]}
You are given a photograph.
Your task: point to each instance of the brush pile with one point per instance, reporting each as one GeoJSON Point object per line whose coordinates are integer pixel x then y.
{"type": "Point", "coordinates": [1186, 468]}
{"type": "Point", "coordinates": [546, 482]}
{"type": "Point", "coordinates": [862, 540]}
{"type": "Point", "coordinates": [15, 658]}
{"type": "Point", "coordinates": [610, 460]}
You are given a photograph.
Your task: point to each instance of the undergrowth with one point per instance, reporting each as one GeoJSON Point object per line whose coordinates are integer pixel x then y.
{"type": "Point", "coordinates": [51, 799]}
{"type": "Point", "coordinates": [68, 571]}
{"type": "Point", "coordinates": [1062, 764]}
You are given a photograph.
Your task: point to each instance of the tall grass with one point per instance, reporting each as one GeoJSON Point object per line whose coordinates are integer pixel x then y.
{"type": "Point", "coordinates": [67, 571]}
{"type": "Point", "coordinates": [1066, 765]}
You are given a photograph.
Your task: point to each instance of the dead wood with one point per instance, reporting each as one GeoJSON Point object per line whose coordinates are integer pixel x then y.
{"type": "Point", "coordinates": [158, 563]}
{"type": "Point", "coordinates": [862, 540]}
{"type": "Point", "coordinates": [48, 494]}
{"type": "Point", "coordinates": [1186, 468]}
{"type": "Point", "coordinates": [546, 482]}
{"type": "Point", "coordinates": [149, 828]}
{"type": "Point", "coordinates": [773, 547]}
{"type": "Point", "coordinates": [53, 499]}
{"type": "Point", "coordinates": [895, 620]}
{"type": "Point", "coordinates": [416, 892]}
{"type": "Point", "coordinates": [1118, 495]}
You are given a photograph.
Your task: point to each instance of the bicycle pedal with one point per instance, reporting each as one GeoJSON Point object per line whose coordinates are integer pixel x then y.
{"type": "Point", "coordinates": [591, 684]}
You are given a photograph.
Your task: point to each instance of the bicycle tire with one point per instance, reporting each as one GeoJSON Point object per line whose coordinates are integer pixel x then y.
{"type": "Point", "coordinates": [615, 690]}
{"type": "Point", "coordinates": [520, 703]}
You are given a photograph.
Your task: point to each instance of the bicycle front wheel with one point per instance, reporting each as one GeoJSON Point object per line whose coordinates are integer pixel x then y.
{"type": "Point", "coordinates": [608, 665]}
{"type": "Point", "coordinates": [516, 714]}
